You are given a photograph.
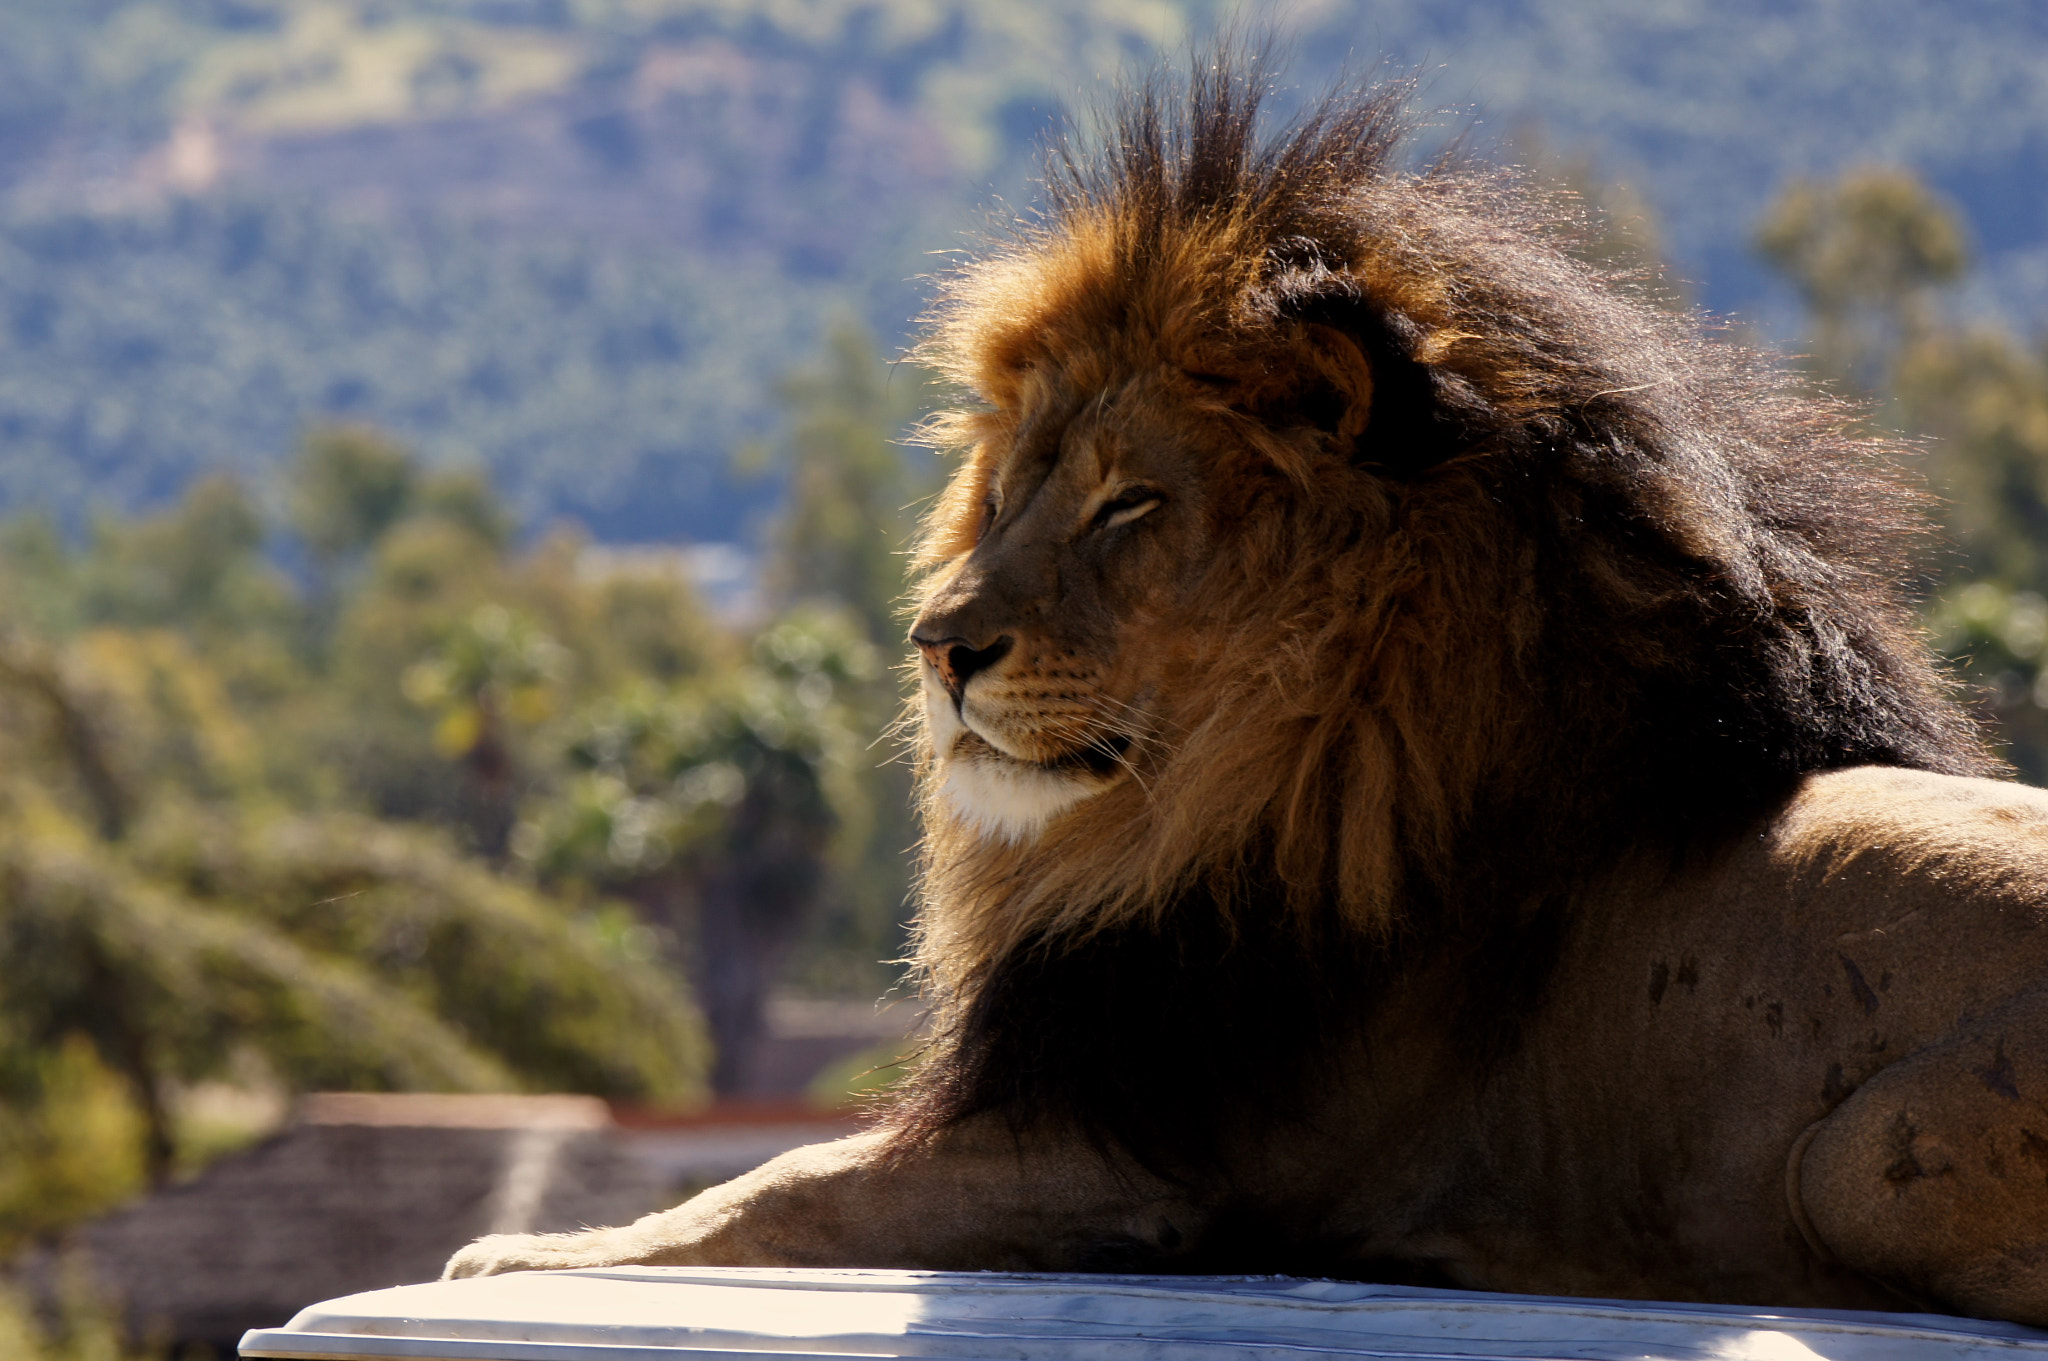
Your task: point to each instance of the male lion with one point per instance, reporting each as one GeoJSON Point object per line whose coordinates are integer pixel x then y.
{"type": "Point", "coordinates": [1430, 776]}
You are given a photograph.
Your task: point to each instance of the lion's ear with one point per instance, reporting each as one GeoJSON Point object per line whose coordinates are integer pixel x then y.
{"type": "Point", "coordinates": [1318, 376]}
{"type": "Point", "coordinates": [1323, 380]}
{"type": "Point", "coordinates": [1345, 395]}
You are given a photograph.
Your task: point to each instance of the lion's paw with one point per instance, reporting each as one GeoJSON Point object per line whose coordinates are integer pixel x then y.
{"type": "Point", "coordinates": [502, 1252]}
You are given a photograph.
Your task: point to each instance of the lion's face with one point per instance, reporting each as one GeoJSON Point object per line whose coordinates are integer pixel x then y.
{"type": "Point", "coordinates": [1051, 638]}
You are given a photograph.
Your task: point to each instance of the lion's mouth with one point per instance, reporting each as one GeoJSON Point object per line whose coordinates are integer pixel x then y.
{"type": "Point", "coordinates": [1013, 798]}
{"type": "Point", "coordinates": [1100, 757]}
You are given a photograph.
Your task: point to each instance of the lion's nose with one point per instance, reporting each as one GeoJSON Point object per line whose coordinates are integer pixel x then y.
{"type": "Point", "coordinates": [957, 661]}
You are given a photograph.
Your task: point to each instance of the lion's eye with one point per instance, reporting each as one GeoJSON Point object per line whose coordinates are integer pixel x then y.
{"type": "Point", "coordinates": [1127, 507]}
{"type": "Point", "coordinates": [988, 519]}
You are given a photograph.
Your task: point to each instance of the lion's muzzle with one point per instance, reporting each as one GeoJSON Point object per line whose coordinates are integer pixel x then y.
{"type": "Point", "coordinates": [956, 660]}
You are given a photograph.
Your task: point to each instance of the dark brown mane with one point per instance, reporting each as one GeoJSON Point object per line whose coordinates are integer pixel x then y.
{"type": "Point", "coordinates": [1643, 586]}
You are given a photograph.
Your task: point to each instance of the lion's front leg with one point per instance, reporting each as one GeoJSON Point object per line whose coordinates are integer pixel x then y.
{"type": "Point", "coordinates": [1933, 1175]}
{"type": "Point", "coordinates": [973, 1198]}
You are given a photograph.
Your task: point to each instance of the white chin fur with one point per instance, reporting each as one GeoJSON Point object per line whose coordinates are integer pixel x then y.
{"type": "Point", "coordinates": [997, 796]}
{"type": "Point", "coordinates": [1007, 799]}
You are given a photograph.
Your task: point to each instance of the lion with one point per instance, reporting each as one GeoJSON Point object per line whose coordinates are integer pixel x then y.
{"type": "Point", "coordinates": [1430, 775]}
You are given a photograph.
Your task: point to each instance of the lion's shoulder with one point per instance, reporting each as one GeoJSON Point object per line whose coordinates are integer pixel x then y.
{"type": "Point", "coordinates": [1868, 838]}
{"type": "Point", "coordinates": [1868, 807]}
{"type": "Point", "coordinates": [1849, 852]}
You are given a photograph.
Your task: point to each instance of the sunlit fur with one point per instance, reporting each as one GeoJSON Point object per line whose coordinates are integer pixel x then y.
{"type": "Point", "coordinates": [987, 790]}
{"type": "Point", "coordinates": [1564, 576]}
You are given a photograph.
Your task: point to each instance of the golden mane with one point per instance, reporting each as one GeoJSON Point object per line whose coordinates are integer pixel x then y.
{"type": "Point", "coordinates": [1586, 583]}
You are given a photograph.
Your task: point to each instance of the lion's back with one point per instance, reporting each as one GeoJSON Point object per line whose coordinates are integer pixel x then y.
{"type": "Point", "coordinates": [1916, 837]}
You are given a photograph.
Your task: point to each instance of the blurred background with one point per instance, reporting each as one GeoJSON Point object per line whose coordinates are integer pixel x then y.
{"type": "Point", "coordinates": [451, 500]}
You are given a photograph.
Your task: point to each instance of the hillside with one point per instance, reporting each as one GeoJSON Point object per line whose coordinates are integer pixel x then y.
{"type": "Point", "coordinates": [578, 239]}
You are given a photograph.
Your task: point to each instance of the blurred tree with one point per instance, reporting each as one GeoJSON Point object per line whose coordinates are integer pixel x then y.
{"type": "Point", "coordinates": [493, 671]}
{"type": "Point", "coordinates": [77, 1325]}
{"type": "Point", "coordinates": [467, 498]}
{"type": "Point", "coordinates": [40, 572]}
{"type": "Point", "coordinates": [164, 989]}
{"type": "Point", "coordinates": [350, 484]}
{"type": "Point", "coordinates": [843, 540]}
{"type": "Point", "coordinates": [714, 806]}
{"type": "Point", "coordinates": [205, 777]}
{"type": "Point", "coordinates": [650, 623]}
{"type": "Point", "coordinates": [1981, 394]}
{"type": "Point", "coordinates": [344, 953]}
{"type": "Point", "coordinates": [71, 1137]}
{"type": "Point", "coordinates": [165, 921]}
{"type": "Point", "coordinates": [1998, 636]}
{"type": "Point", "coordinates": [562, 1000]}
{"type": "Point", "coordinates": [1869, 255]}
{"type": "Point", "coordinates": [199, 566]}
{"type": "Point", "coordinates": [844, 534]}
{"type": "Point", "coordinates": [63, 722]}
{"type": "Point", "coordinates": [189, 581]}
{"type": "Point", "coordinates": [419, 583]}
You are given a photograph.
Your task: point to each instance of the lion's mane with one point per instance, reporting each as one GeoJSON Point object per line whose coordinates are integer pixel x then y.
{"type": "Point", "coordinates": [1596, 584]}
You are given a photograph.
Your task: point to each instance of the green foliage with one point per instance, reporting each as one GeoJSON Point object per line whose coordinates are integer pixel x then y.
{"type": "Point", "coordinates": [1866, 253]}
{"type": "Point", "coordinates": [657, 770]}
{"type": "Point", "coordinates": [85, 1326]}
{"type": "Point", "coordinates": [1982, 395]}
{"type": "Point", "coordinates": [843, 540]}
{"type": "Point", "coordinates": [716, 804]}
{"type": "Point", "coordinates": [162, 983]}
{"type": "Point", "coordinates": [492, 665]}
{"type": "Point", "coordinates": [191, 888]}
{"type": "Point", "coordinates": [1998, 637]}
{"type": "Point", "coordinates": [165, 988]}
{"type": "Point", "coordinates": [452, 814]}
{"type": "Point", "coordinates": [844, 531]}
{"type": "Point", "coordinates": [71, 1140]}
{"type": "Point", "coordinates": [142, 347]}
{"type": "Point", "coordinates": [492, 673]}
{"type": "Point", "coordinates": [352, 484]}
{"type": "Point", "coordinates": [648, 622]}
{"type": "Point", "coordinates": [556, 997]}
{"type": "Point", "coordinates": [1870, 254]}
{"type": "Point", "coordinates": [199, 564]}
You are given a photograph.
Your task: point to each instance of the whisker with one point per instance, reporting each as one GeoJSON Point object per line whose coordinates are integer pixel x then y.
{"type": "Point", "coordinates": [1101, 740]}
{"type": "Point", "coordinates": [1148, 724]}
